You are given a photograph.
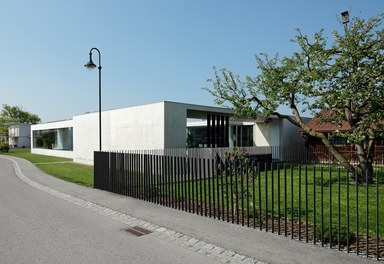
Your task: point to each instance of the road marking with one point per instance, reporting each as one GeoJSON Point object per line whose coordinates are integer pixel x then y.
{"type": "Point", "coordinates": [218, 253]}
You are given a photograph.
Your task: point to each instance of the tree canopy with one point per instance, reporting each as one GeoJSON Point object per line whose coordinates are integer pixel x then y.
{"type": "Point", "coordinates": [345, 76]}
{"type": "Point", "coordinates": [15, 114]}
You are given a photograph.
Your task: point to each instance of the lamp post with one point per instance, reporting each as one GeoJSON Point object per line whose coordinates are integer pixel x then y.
{"type": "Point", "coordinates": [90, 66]}
{"type": "Point", "coordinates": [348, 102]}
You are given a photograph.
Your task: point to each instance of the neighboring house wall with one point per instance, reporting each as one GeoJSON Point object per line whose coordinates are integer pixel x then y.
{"type": "Point", "coordinates": [19, 135]}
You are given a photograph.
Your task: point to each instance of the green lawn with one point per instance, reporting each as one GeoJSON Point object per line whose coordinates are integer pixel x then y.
{"type": "Point", "coordinates": [300, 196]}
{"type": "Point", "coordinates": [58, 167]}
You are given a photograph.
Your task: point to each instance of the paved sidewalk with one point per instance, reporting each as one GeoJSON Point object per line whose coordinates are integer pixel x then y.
{"type": "Point", "coordinates": [220, 240]}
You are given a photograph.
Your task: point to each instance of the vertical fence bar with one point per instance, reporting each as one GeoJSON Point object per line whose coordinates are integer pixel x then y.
{"type": "Point", "coordinates": [242, 192]}
{"type": "Point", "coordinates": [247, 190]}
{"type": "Point", "coordinates": [330, 206]}
{"type": "Point", "coordinates": [196, 182]}
{"type": "Point", "coordinates": [158, 182]}
{"type": "Point", "coordinates": [143, 176]}
{"type": "Point", "coordinates": [236, 192]}
{"type": "Point", "coordinates": [299, 168]}
{"type": "Point", "coordinates": [222, 175]}
{"type": "Point", "coordinates": [133, 175]}
{"type": "Point", "coordinates": [347, 209]}
{"type": "Point", "coordinates": [285, 201]}
{"type": "Point", "coordinates": [194, 191]}
{"type": "Point", "coordinates": [144, 172]}
{"type": "Point", "coordinates": [130, 175]}
{"type": "Point", "coordinates": [278, 201]}
{"type": "Point", "coordinates": [205, 186]}
{"type": "Point", "coordinates": [259, 192]}
{"type": "Point", "coordinates": [128, 166]}
{"type": "Point", "coordinates": [214, 164]}
{"type": "Point", "coordinates": [173, 182]}
{"type": "Point", "coordinates": [163, 199]}
{"type": "Point", "coordinates": [266, 196]}
{"type": "Point", "coordinates": [357, 214]}
{"type": "Point", "coordinates": [314, 204]}
{"type": "Point", "coordinates": [137, 177]}
{"type": "Point", "coordinates": [253, 195]}
{"type": "Point", "coordinates": [338, 207]}
{"type": "Point", "coordinates": [322, 204]}
{"type": "Point", "coordinates": [377, 217]}
{"type": "Point", "coordinates": [180, 183]}
{"type": "Point", "coordinates": [130, 178]}
{"type": "Point", "coordinates": [217, 188]}
{"type": "Point", "coordinates": [231, 171]}
{"type": "Point", "coordinates": [150, 183]}
{"type": "Point", "coordinates": [292, 205]}
{"type": "Point", "coordinates": [201, 188]}
{"type": "Point", "coordinates": [155, 180]}
{"type": "Point", "coordinates": [306, 204]}
{"type": "Point", "coordinates": [147, 178]}
{"type": "Point", "coordinates": [209, 187]}
{"type": "Point", "coordinates": [228, 197]}
{"type": "Point", "coordinates": [184, 184]}
{"type": "Point", "coordinates": [112, 172]}
{"type": "Point", "coordinates": [366, 214]}
{"type": "Point", "coordinates": [166, 181]}
{"type": "Point", "coordinates": [190, 185]}
{"type": "Point", "coordinates": [273, 199]}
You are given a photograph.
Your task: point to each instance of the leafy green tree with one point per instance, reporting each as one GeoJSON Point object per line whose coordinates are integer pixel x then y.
{"type": "Point", "coordinates": [345, 76]}
{"type": "Point", "coordinates": [15, 114]}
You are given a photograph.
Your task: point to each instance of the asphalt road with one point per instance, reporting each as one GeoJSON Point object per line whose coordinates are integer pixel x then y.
{"type": "Point", "coordinates": [36, 227]}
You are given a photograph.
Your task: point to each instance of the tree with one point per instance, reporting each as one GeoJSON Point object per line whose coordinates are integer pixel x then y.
{"type": "Point", "coordinates": [15, 114]}
{"type": "Point", "coordinates": [345, 77]}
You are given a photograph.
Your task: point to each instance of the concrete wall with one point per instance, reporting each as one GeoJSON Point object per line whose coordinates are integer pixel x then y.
{"type": "Point", "coordinates": [280, 132]}
{"type": "Point", "coordinates": [138, 127]}
{"type": "Point", "coordinates": [267, 134]}
{"type": "Point", "coordinates": [175, 125]}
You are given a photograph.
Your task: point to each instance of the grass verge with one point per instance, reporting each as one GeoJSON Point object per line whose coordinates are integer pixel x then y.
{"type": "Point", "coordinates": [61, 168]}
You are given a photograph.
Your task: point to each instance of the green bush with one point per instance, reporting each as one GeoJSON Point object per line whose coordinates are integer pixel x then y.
{"type": "Point", "coordinates": [4, 147]}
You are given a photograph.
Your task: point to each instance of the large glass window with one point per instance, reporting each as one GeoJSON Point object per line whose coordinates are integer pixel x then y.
{"type": "Point", "coordinates": [58, 139]}
{"type": "Point", "coordinates": [197, 137]}
{"type": "Point", "coordinates": [241, 136]}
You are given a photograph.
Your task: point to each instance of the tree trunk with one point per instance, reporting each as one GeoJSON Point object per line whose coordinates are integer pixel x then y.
{"type": "Point", "coordinates": [340, 158]}
{"type": "Point", "coordinates": [365, 163]}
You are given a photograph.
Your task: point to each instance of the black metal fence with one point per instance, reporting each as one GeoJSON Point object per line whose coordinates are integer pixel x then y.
{"type": "Point", "coordinates": [313, 203]}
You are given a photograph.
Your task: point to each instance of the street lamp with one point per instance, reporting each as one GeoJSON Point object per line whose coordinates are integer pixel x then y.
{"type": "Point", "coordinates": [345, 17]}
{"type": "Point", "coordinates": [90, 66]}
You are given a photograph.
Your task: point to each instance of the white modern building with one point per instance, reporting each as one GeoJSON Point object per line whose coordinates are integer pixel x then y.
{"type": "Point", "coordinates": [19, 135]}
{"type": "Point", "coordinates": [163, 125]}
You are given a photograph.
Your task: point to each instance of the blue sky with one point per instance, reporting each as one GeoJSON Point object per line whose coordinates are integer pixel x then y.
{"type": "Point", "coordinates": [151, 50]}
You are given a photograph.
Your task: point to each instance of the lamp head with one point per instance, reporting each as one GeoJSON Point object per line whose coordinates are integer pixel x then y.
{"type": "Point", "coordinates": [345, 17]}
{"type": "Point", "coordinates": [90, 65]}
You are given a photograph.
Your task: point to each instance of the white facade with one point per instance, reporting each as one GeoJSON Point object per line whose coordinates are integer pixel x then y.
{"type": "Point", "coordinates": [148, 127]}
{"type": "Point", "coordinates": [58, 151]}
